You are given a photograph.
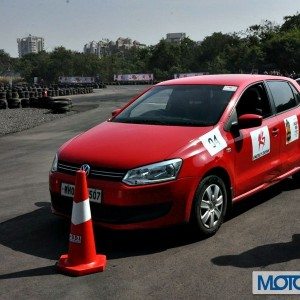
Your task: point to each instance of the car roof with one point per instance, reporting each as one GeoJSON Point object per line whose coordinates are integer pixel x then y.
{"type": "Point", "coordinates": [222, 79]}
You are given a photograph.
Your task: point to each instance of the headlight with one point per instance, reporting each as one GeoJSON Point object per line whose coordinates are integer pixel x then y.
{"type": "Point", "coordinates": [159, 172]}
{"type": "Point", "coordinates": [54, 164]}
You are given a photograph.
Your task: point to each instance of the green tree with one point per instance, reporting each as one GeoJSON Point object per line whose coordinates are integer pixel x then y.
{"type": "Point", "coordinates": [5, 62]}
{"type": "Point", "coordinates": [61, 63]}
{"type": "Point", "coordinates": [210, 55]}
{"type": "Point", "coordinates": [164, 56]}
{"type": "Point", "coordinates": [34, 65]}
{"type": "Point", "coordinates": [188, 55]}
{"type": "Point", "coordinates": [283, 51]}
{"type": "Point", "coordinates": [291, 22]}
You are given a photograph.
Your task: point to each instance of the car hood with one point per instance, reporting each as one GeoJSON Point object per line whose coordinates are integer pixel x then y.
{"type": "Point", "coordinates": [126, 146]}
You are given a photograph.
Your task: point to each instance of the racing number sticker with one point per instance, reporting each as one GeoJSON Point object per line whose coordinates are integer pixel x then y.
{"type": "Point", "coordinates": [213, 141]}
{"type": "Point", "coordinates": [260, 142]}
{"type": "Point", "coordinates": [291, 128]}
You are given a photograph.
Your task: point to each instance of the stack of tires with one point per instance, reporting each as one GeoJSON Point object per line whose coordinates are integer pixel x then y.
{"type": "Point", "coordinates": [60, 105]}
{"type": "Point", "coordinates": [54, 98]}
{"type": "Point", "coordinates": [50, 100]}
{"type": "Point", "coordinates": [33, 99]}
{"type": "Point", "coordinates": [25, 101]}
{"type": "Point", "coordinates": [13, 99]}
{"type": "Point", "coordinates": [3, 101]}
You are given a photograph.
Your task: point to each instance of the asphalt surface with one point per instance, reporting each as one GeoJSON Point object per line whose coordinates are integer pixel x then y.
{"type": "Point", "coordinates": [263, 233]}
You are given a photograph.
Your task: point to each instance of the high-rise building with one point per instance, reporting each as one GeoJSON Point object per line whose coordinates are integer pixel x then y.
{"type": "Point", "coordinates": [175, 37]}
{"type": "Point", "coordinates": [107, 47]}
{"type": "Point", "coordinates": [100, 48]}
{"type": "Point", "coordinates": [91, 47]}
{"type": "Point", "coordinates": [30, 44]}
{"type": "Point", "coordinates": [124, 43]}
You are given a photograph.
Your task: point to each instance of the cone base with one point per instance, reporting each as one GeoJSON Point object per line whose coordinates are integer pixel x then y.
{"type": "Point", "coordinates": [98, 265]}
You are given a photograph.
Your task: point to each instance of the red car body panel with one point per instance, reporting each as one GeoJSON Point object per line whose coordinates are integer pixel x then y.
{"type": "Point", "coordinates": [98, 146]}
{"type": "Point", "coordinates": [124, 146]}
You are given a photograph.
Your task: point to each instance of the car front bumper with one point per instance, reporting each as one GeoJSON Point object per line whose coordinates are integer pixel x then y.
{"type": "Point", "coordinates": [130, 207]}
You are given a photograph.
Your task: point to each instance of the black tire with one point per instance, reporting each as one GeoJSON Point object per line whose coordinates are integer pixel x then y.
{"type": "Point", "coordinates": [3, 104]}
{"type": "Point", "coordinates": [3, 95]}
{"type": "Point", "coordinates": [14, 103]}
{"type": "Point", "coordinates": [61, 105]}
{"type": "Point", "coordinates": [33, 102]}
{"type": "Point", "coordinates": [25, 102]}
{"type": "Point", "coordinates": [296, 176]}
{"type": "Point", "coordinates": [208, 211]}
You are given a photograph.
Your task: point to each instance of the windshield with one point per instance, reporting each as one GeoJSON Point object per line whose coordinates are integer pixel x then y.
{"type": "Point", "coordinates": [186, 105]}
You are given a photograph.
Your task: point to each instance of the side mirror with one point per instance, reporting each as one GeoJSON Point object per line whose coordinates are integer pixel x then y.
{"type": "Point", "coordinates": [249, 120]}
{"type": "Point", "coordinates": [115, 112]}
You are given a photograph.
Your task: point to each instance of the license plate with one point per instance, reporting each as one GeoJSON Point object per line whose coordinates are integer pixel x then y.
{"type": "Point", "coordinates": [67, 190]}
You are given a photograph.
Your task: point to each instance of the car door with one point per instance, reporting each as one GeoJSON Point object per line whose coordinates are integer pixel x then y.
{"type": "Point", "coordinates": [286, 99]}
{"type": "Point", "coordinates": [256, 149]}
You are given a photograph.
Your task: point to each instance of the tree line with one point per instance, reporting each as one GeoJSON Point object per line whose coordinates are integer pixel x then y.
{"type": "Point", "coordinates": [261, 48]}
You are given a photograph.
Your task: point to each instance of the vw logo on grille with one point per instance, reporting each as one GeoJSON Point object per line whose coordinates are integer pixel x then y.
{"type": "Point", "coordinates": [86, 168]}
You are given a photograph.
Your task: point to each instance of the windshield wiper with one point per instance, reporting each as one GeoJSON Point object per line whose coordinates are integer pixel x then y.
{"type": "Point", "coordinates": [169, 122]}
{"type": "Point", "coordinates": [141, 121]}
{"type": "Point", "coordinates": [193, 123]}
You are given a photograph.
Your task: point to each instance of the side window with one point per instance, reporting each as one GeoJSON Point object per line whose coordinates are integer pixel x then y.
{"type": "Point", "coordinates": [296, 93]}
{"type": "Point", "coordinates": [254, 101]}
{"type": "Point", "coordinates": [283, 95]}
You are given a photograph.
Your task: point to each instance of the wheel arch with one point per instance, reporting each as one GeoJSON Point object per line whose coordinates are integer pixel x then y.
{"type": "Point", "coordinates": [224, 175]}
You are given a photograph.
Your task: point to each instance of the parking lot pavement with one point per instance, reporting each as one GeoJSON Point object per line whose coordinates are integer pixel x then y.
{"type": "Point", "coordinates": [261, 234]}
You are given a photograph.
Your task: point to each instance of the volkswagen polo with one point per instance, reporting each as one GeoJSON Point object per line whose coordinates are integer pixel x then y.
{"type": "Point", "coordinates": [184, 151]}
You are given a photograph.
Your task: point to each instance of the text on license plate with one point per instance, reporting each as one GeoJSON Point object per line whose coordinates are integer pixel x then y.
{"type": "Point", "coordinates": [67, 190]}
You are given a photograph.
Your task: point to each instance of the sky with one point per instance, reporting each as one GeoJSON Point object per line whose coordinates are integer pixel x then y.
{"type": "Point", "coordinates": [73, 23]}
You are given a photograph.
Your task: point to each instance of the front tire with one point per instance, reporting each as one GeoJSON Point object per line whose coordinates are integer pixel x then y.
{"type": "Point", "coordinates": [296, 176]}
{"type": "Point", "coordinates": [210, 204]}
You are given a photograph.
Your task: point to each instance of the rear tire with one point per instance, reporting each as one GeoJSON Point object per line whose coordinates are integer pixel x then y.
{"type": "Point", "coordinates": [210, 204]}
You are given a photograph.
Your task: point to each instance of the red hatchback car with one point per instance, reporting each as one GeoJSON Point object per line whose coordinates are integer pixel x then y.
{"type": "Point", "coordinates": [184, 151]}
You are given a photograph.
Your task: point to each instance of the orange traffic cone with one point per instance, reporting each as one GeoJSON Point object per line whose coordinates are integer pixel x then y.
{"type": "Point", "coordinates": [81, 258]}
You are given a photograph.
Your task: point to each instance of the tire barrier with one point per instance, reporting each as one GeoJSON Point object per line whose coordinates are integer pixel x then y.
{"type": "Point", "coordinates": [8, 94]}
{"type": "Point", "coordinates": [33, 100]}
{"type": "Point", "coordinates": [60, 105]}
{"type": "Point", "coordinates": [14, 101]}
{"type": "Point", "coordinates": [3, 104]}
{"type": "Point", "coordinates": [54, 97]}
{"type": "Point", "coordinates": [25, 101]}
{"type": "Point", "coordinates": [3, 101]}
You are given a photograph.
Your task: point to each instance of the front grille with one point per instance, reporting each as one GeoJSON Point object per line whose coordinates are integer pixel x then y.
{"type": "Point", "coordinates": [113, 214]}
{"type": "Point", "coordinates": [100, 173]}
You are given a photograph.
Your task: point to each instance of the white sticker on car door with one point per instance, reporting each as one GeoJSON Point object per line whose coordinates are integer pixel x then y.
{"type": "Point", "coordinates": [291, 129]}
{"type": "Point", "coordinates": [213, 141]}
{"type": "Point", "coordinates": [230, 88]}
{"type": "Point", "coordinates": [260, 142]}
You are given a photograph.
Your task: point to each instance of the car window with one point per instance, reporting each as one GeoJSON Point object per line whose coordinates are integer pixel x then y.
{"type": "Point", "coordinates": [254, 101]}
{"type": "Point", "coordinates": [283, 95]}
{"type": "Point", "coordinates": [190, 105]}
{"type": "Point", "coordinates": [296, 93]}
